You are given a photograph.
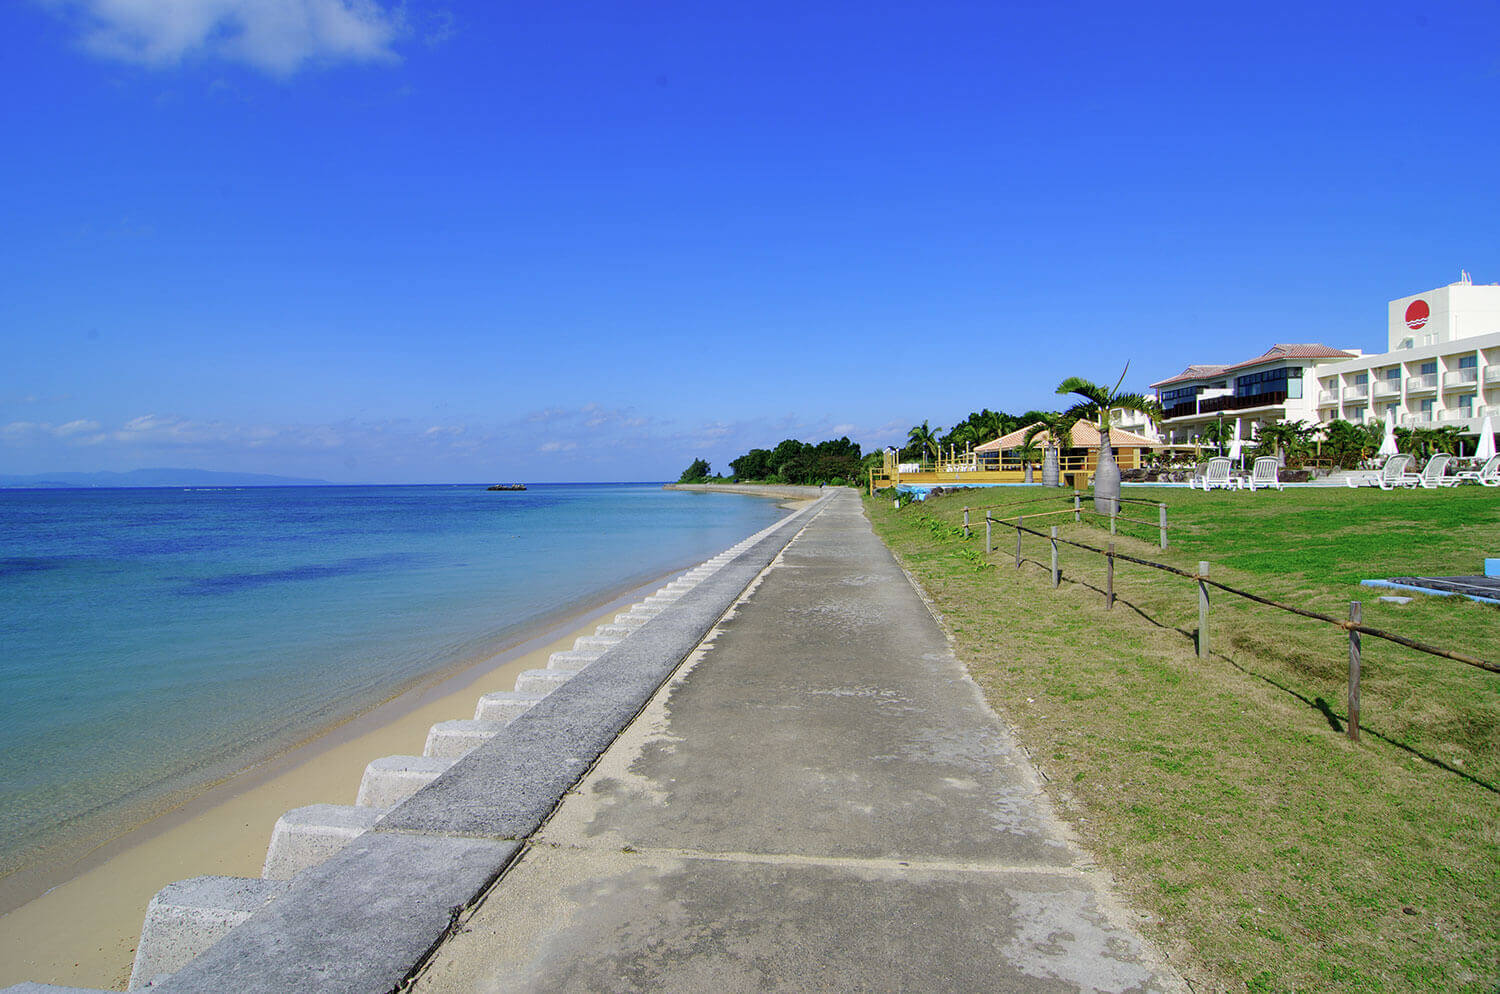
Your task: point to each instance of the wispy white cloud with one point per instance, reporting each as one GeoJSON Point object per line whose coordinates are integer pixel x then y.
{"type": "Point", "coordinates": [278, 36]}
{"type": "Point", "coordinates": [588, 442]}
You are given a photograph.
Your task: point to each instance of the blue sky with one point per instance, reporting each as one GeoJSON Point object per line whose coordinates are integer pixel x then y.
{"type": "Point", "coordinates": [465, 241]}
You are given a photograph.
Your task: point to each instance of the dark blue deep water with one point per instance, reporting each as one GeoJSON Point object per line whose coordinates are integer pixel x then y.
{"type": "Point", "coordinates": [151, 640]}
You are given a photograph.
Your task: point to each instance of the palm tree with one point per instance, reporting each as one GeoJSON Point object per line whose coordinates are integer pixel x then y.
{"type": "Point", "coordinates": [1097, 402]}
{"type": "Point", "coordinates": [1285, 439]}
{"type": "Point", "coordinates": [1028, 452]}
{"type": "Point", "coordinates": [924, 438]}
{"type": "Point", "coordinates": [1058, 427]}
{"type": "Point", "coordinates": [1344, 442]}
{"type": "Point", "coordinates": [989, 425]}
{"type": "Point", "coordinates": [1218, 432]}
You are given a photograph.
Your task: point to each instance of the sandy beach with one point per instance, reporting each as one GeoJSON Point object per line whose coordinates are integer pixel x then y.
{"type": "Point", "coordinates": [83, 931]}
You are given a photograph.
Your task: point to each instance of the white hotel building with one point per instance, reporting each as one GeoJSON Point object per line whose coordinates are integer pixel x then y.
{"type": "Point", "coordinates": [1442, 368]}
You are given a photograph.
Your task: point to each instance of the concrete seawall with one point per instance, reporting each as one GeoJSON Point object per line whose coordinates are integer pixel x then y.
{"type": "Point", "coordinates": [354, 897]}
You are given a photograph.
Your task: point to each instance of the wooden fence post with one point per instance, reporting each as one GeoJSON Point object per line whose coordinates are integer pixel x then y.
{"type": "Point", "coordinates": [1109, 578]}
{"type": "Point", "coordinates": [1055, 577]}
{"type": "Point", "coordinates": [1202, 610]}
{"type": "Point", "coordinates": [966, 522]}
{"type": "Point", "coordinates": [1076, 506]}
{"type": "Point", "coordinates": [1161, 514]}
{"type": "Point", "coordinates": [1019, 519]}
{"type": "Point", "coordinates": [1355, 611]}
{"type": "Point", "coordinates": [987, 521]}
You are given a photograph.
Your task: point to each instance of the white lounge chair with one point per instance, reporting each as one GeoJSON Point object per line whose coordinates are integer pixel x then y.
{"type": "Point", "coordinates": [1392, 473]}
{"type": "Point", "coordinates": [1431, 476]}
{"type": "Point", "coordinates": [1216, 474]}
{"type": "Point", "coordinates": [1488, 474]}
{"type": "Point", "coordinates": [1265, 475]}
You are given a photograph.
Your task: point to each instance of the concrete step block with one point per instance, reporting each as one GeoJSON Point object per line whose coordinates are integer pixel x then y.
{"type": "Point", "coordinates": [541, 681]}
{"type": "Point", "coordinates": [504, 706]}
{"type": "Point", "coordinates": [597, 641]}
{"type": "Point", "coordinates": [652, 610]}
{"type": "Point", "coordinates": [188, 916]}
{"type": "Point", "coordinates": [635, 618]}
{"type": "Point", "coordinates": [572, 660]}
{"type": "Point", "coordinates": [617, 629]}
{"type": "Point", "coordinates": [661, 598]}
{"type": "Point", "coordinates": [390, 780]}
{"type": "Point", "coordinates": [305, 837]}
{"type": "Point", "coordinates": [455, 739]}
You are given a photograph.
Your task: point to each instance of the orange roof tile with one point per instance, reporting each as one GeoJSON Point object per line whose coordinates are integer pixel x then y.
{"type": "Point", "coordinates": [1085, 436]}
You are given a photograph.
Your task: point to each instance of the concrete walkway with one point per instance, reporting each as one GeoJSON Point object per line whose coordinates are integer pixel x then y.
{"type": "Point", "coordinates": [820, 800]}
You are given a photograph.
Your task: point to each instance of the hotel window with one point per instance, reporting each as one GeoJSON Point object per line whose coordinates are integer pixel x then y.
{"type": "Point", "coordinates": [1429, 368]}
{"type": "Point", "coordinates": [1468, 362]}
{"type": "Point", "coordinates": [1393, 374]}
{"type": "Point", "coordinates": [1265, 382]}
{"type": "Point", "coordinates": [1426, 410]}
{"type": "Point", "coordinates": [1294, 383]}
{"type": "Point", "coordinates": [1466, 405]}
{"type": "Point", "coordinates": [1357, 415]}
{"type": "Point", "coordinates": [1390, 412]}
{"type": "Point", "coordinates": [1361, 379]}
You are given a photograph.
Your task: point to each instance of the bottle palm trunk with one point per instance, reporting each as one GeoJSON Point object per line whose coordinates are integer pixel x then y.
{"type": "Point", "coordinates": [1049, 467]}
{"type": "Point", "coordinates": [1107, 482]}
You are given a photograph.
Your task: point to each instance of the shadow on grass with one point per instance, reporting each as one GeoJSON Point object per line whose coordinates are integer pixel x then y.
{"type": "Point", "coordinates": [1335, 721]}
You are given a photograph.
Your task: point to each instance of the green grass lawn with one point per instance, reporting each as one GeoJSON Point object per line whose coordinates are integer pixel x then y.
{"type": "Point", "coordinates": [1271, 852]}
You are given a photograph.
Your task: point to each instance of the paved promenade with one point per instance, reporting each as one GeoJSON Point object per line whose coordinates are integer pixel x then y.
{"type": "Point", "coordinates": [820, 800]}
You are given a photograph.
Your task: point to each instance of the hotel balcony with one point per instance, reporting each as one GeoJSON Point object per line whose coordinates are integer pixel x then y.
{"type": "Point", "coordinates": [1358, 391]}
{"type": "Point", "coordinates": [1426, 383]}
{"type": "Point", "coordinates": [1213, 405]}
{"type": "Point", "coordinates": [1328, 397]}
{"type": "Point", "coordinates": [1460, 415]}
{"type": "Point", "coordinates": [1460, 378]}
{"type": "Point", "coordinates": [1492, 374]}
{"type": "Point", "coordinates": [1420, 420]}
{"type": "Point", "coordinates": [1387, 388]}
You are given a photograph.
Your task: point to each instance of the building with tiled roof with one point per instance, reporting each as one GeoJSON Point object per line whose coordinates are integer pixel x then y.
{"type": "Point", "coordinates": [1442, 367]}
{"type": "Point", "coordinates": [1267, 387]}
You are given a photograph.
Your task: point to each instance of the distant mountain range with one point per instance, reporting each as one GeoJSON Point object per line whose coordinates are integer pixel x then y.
{"type": "Point", "coordinates": [153, 478]}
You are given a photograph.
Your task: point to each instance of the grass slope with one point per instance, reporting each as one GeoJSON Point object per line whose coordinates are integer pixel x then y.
{"type": "Point", "coordinates": [1271, 852]}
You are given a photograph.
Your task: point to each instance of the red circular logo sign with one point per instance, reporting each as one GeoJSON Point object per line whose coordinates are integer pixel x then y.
{"type": "Point", "coordinates": [1417, 313]}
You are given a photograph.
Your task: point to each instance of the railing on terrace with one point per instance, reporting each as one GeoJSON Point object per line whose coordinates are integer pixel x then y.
{"type": "Point", "coordinates": [1492, 374]}
{"type": "Point", "coordinates": [1427, 381]}
{"type": "Point", "coordinates": [1358, 391]}
{"type": "Point", "coordinates": [1184, 410]}
{"type": "Point", "coordinates": [1418, 420]}
{"type": "Point", "coordinates": [1387, 388]}
{"type": "Point", "coordinates": [1233, 403]}
{"type": "Point", "coordinates": [1461, 377]}
{"type": "Point", "coordinates": [1328, 397]}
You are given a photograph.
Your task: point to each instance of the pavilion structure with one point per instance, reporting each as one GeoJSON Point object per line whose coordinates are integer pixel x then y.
{"type": "Point", "coordinates": [999, 461]}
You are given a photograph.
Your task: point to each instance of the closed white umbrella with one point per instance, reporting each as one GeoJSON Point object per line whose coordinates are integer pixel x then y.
{"type": "Point", "coordinates": [1486, 439]}
{"type": "Point", "coordinates": [1388, 444]}
{"type": "Point", "coordinates": [1234, 443]}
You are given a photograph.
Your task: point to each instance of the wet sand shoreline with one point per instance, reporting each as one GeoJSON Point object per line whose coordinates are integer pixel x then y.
{"type": "Point", "coordinates": [83, 930]}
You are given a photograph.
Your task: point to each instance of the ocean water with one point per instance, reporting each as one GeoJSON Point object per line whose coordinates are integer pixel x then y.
{"type": "Point", "coordinates": [153, 640]}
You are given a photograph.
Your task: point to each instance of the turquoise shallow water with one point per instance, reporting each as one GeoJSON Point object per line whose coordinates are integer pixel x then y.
{"type": "Point", "coordinates": [151, 640]}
